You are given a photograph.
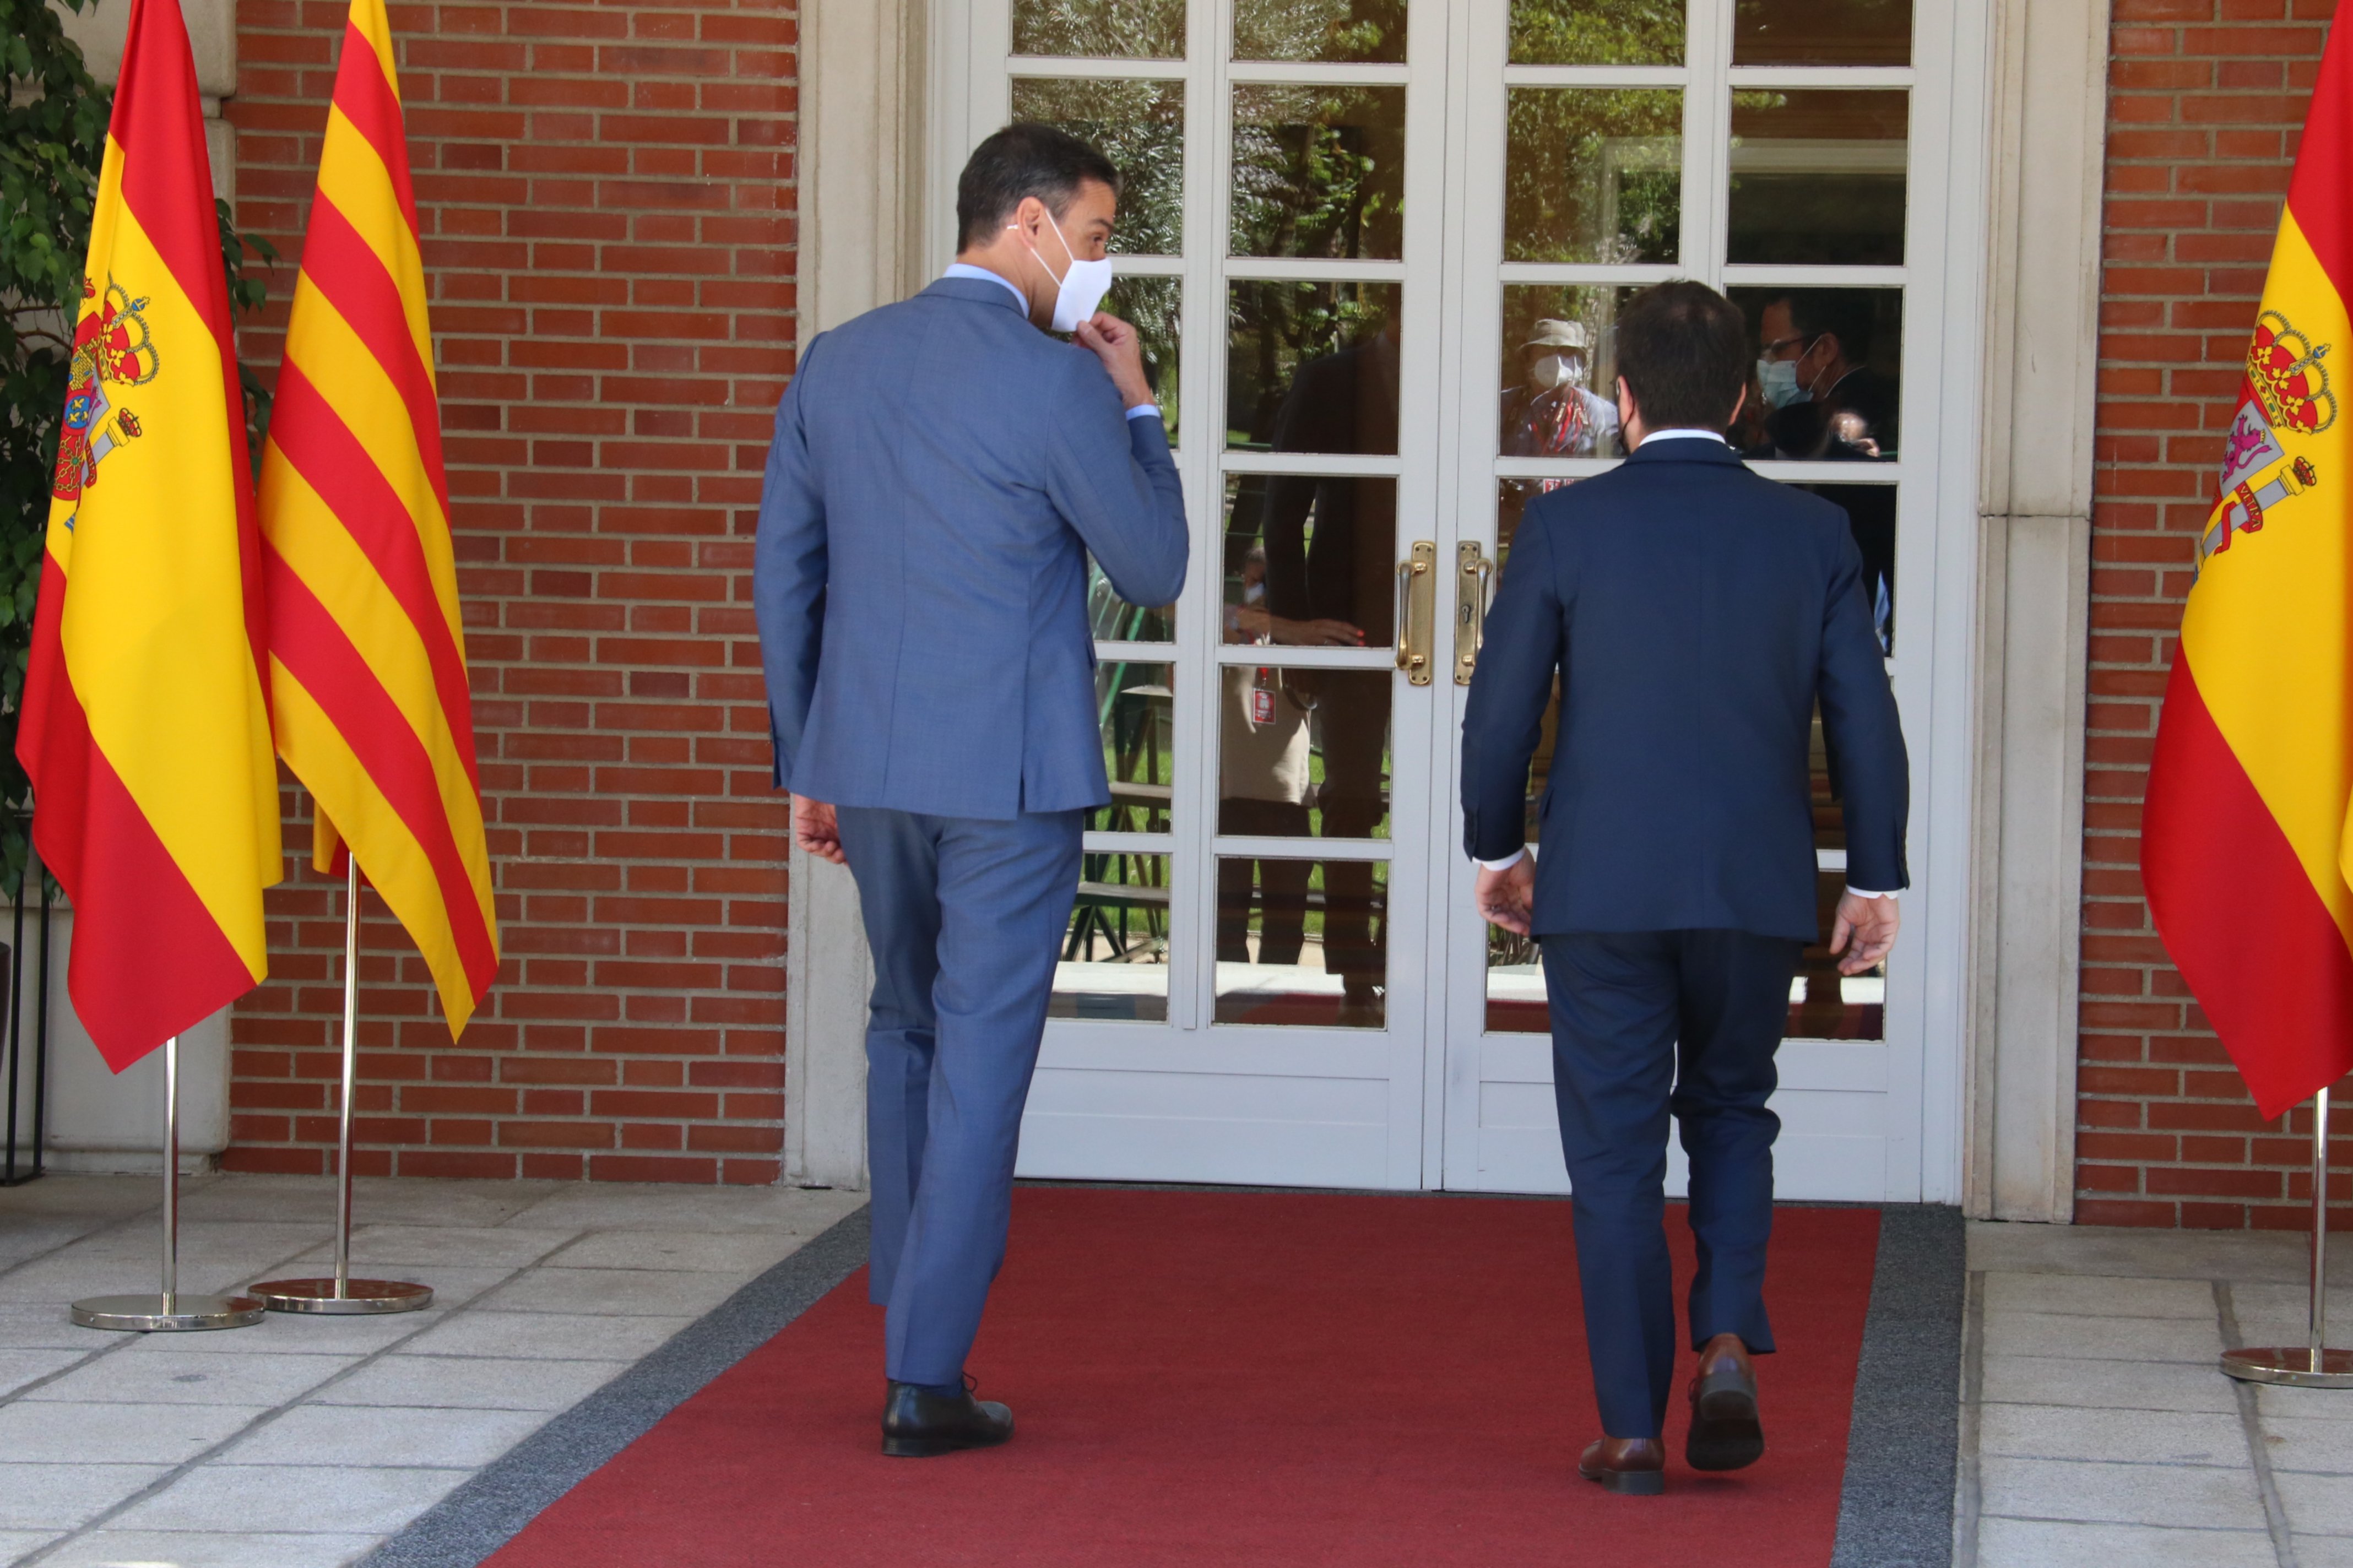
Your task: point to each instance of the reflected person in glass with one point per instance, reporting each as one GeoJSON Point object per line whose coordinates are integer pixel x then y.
{"type": "Point", "coordinates": [1822, 400]}
{"type": "Point", "coordinates": [1331, 550]}
{"type": "Point", "coordinates": [1554, 412]}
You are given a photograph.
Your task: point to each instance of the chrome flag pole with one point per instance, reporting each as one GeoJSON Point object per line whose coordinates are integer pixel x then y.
{"type": "Point", "coordinates": [2311, 1364]}
{"type": "Point", "coordinates": [341, 1293]}
{"type": "Point", "coordinates": [172, 1309]}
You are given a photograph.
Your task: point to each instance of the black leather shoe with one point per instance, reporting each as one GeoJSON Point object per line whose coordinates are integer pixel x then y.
{"type": "Point", "coordinates": [1724, 1432]}
{"type": "Point", "coordinates": [918, 1423]}
{"type": "Point", "coordinates": [1631, 1467]}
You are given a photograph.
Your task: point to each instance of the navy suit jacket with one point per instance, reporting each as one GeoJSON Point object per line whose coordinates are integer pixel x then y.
{"type": "Point", "coordinates": [1695, 613]}
{"type": "Point", "coordinates": [941, 471]}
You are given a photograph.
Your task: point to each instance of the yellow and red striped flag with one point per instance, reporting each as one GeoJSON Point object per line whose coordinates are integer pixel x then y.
{"type": "Point", "coordinates": [367, 656]}
{"type": "Point", "coordinates": [144, 726]}
{"type": "Point", "coordinates": [2244, 841]}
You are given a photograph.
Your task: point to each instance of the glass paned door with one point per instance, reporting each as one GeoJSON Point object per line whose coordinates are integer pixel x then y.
{"type": "Point", "coordinates": [1377, 250]}
{"type": "Point", "coordinates": [1244, 991]}
{"type": "Point", "coordinates": [1609, 144]}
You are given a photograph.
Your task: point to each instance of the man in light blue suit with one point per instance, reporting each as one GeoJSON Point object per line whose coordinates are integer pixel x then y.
{"type": "Point", "coordinates": [942, 469]}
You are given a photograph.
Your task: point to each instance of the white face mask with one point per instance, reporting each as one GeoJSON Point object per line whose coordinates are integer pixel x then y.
{"type": "Point", "coordinates": [1078, 292]}
{"type": "Point", "coordinates": [1778, 378]}
{"type": "Point", "coordinates": [1555, 370]}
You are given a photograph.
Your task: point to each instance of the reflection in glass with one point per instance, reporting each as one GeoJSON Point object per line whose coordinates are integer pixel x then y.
{"type": "Point", "coordinates": [1304, 753]}
{"type": "Point", "coordinates": [1820, 32]}
{"type": "Point", "coordinates": [1115, 960]}
{"type": "Point", "coordinates": [1302, 941]}
{"type": "Point", "coordinates": [1560, 374]}
{"type": "Point", "coordinates": [1838, 399]}
{"type": "Point", "coordinates": [1598, 32]}
{"type": "Point", "coordinates": [1319, 171]}
{"type": "Point", "coordinates": [1312, 367]}
{"type": "Point", "coordinates": [1133, 704]}
{"type": "Point", "coordinates": [1100, 29]}
{"type": "Point", "coordinates": [1594, 175]}
{"type": "Point", "coordinates": [1156, 308]}
{"type": "Point", "coordinates": [1140, 127]}
{"type": "Point", "coordinates": [1319, 30]}
{"type": "Point", "coordinates": [1114, 619]}
{"type": "Point", "coordinates": [1871, 513]}
{"type": "Point", "coordinates": [1310, 559]}
{"type": "Point", "coordinates": [1818, 177]}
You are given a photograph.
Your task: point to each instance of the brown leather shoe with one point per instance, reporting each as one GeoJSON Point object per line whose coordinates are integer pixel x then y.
{"type": "Point", "coordinates": [1632, 1467]}
{"type": "Point", "coordinates": [1724, 1431]}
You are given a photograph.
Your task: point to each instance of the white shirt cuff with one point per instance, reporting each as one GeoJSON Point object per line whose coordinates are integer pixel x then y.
{"type": "Point", "coordinates": [1141, 409]}
{"type": "Point", "coordinates": [1858, 893]}
{"type": "Point", "coordinates": [1506, 863]}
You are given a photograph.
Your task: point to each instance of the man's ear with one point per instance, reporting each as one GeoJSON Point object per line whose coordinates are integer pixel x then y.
{"type": "Point", "coordinates": [1625, 401]}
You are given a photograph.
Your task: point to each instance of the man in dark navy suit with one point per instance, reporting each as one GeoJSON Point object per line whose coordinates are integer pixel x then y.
{"type": "Point", "coordinates": [1695, 615]}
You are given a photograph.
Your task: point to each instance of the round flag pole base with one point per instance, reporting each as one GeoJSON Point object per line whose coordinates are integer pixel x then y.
{"type": "Point", "coordinates": [2295, 1366]}
{"type": "Point", "coordinates": [357, 1296]}
{"type": "Point", "coordinates": [179, 1313]}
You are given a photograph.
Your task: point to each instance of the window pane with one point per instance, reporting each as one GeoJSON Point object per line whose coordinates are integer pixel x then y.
{"type": "Point", "coordinates": [1303, 753]}
{"type": "Point", "coordinates": [1140, 127]}
{"type": "Point", "coordinates": [1101, 30]}
{"type": "Point", "coordinates": [1319, 171]}
{"type": "Point", "coordinates": [1312, 367]}
{"type": "Point", "coordinates": [1156, 308]}
{"type": "Point", "coordinates": [1598, 32]}
{"type": "Point", "coordinates": [1116, 620]}
{"type": "Point", "coordinates": [1822, 33]}
{"type": "Point", "coordinates": [1311, 561]}
{"type": "Point", "coordinates": [1302, 941]}
{"type": "Point", "coordinates": [1871, 513]}
{"type": "Point", "coordinates": [1319, 30]}
{"type": "Point", "coordinates": [1116, 957]}
{"type": "Point", "coordinates": [1594, 175]}
{"type": "Point", "coordinates": [1818, 177]}
{"type": "Point", "coordinates": [1134, 702]}
{"type": "Point", "coordinates": [1840, 398]}
{"type": "Point", "coordinates": [1560, 374]}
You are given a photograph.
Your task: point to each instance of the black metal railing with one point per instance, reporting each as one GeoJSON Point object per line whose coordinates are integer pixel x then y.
{"type": "Point", "coordinates": [24, 1075]}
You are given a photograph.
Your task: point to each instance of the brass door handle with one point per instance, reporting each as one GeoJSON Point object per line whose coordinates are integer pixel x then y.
{"type": "Point", "coordinates": [1417, 611]}
{"type": "Point", "coordinates": [1474, 580]}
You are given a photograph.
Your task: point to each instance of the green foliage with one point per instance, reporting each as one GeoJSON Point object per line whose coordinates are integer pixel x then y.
{"type": "Point", "coordinates": [53, 120]}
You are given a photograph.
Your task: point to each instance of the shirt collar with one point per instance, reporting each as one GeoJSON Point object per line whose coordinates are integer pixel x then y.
{"type": "Point", "coordinates": [1684, 434]}
{"type": "Point", "coordinates": [960, 270]}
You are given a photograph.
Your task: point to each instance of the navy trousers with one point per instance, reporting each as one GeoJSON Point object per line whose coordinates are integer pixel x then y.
{"type": "Point", "coordinates": [1645, 1023]}
{"type": "Point", "coordinates": [964, 917]}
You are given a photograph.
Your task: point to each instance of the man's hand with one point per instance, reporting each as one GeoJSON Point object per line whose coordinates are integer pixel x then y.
{"type": "Point", "coordinates": [816, 829]}
{"type": "Point", "coordinates": [1507, 897]}
{"type": "Point", "coordinates": [1115, 343]}
{"type": "Point", "coordinates": [1867, 926]}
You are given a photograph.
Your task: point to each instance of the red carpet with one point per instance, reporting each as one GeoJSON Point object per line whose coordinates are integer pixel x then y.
{"type": "Point", "coordinates": [1237, 1378]}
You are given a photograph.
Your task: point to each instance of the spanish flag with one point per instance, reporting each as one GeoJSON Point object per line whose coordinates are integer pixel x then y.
{"type": "Point", "coordinates": [367, 656]}
{"type": "Point", "coordinates": [143, 727]}
{"type": "Point", "coordinates": [2245, 843]}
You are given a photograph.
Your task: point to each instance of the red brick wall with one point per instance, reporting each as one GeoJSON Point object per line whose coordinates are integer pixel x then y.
{"type": "Point", "coordinates": [605, 191]}
{"type": "Point", "coordinates": [2205, 100]}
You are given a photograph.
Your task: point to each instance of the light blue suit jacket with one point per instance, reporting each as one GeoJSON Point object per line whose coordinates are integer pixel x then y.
{"type": "Point", "coordinates": [940, 472]}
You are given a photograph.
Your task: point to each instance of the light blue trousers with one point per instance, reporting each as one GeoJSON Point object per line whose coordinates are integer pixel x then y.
{"type": "Point", "coordinates": [965, 918]}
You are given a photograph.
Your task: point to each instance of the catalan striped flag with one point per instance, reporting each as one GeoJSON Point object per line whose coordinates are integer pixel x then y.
{"type": "Point", "coordinates": [144, 726]}
{"type": "Point", "coordinates": [2245, 845]}
{"type": "Point", "coordinates": [367, 657]}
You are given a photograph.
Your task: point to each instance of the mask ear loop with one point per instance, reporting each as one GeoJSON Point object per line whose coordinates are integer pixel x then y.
{"type": "Point", "coordinates": [1069, 254]}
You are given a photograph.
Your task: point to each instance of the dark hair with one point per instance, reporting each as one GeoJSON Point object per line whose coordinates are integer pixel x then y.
{"type": "Point", "coordinates": [1025, 159]}
{"type": "Point", "coordinates": [1684, 350]}
{"type": "Point", "coordinates": [1844, 313]}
